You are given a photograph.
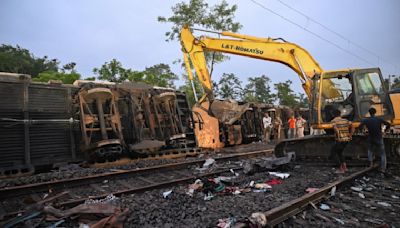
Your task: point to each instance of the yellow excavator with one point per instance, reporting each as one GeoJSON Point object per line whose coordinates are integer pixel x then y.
{"type": "Point", "coordinates": [352, 91]}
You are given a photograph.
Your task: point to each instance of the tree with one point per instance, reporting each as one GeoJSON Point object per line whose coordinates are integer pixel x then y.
{"type": "Point", "coordinates": [229, 87]}
{"type": "Point", "coordinates": [160, 75]}
{"type": "Point", "coordinates": [285, 94]}
{"type": "Point", "coordinates": [65, 78]}
{"type": "Point", "coordinates": [112, 71]}
{"type": "Point", "coordinates": [259, 90]}
{"type": "Point", "coordinates": [157, 75]}
{"type": "Point", "coordinates": [69, 67]}
{"type": "Point", "coordinates": [302, 100]}
{"type": "Point", "coordinates": [197, 13]}
{"type": "Point", "coordinates": [20, 60]}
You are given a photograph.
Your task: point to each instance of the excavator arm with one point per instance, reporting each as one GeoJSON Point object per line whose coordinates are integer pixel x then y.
{"type": "Point", "coordinates": [292, 55]}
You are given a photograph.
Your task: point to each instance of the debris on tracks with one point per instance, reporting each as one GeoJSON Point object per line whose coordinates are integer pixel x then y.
{"type": "Point", "coordinates": [167, 194]}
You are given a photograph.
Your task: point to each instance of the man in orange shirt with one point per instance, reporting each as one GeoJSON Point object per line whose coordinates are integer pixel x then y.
{"type": "Point", "coordinates": [292, 127]}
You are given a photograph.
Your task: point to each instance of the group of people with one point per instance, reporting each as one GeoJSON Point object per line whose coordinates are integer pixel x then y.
{"type": "Point", "coordinates": [343, 135]}
{"type": "Point", "coordinates": [343, 130]}
{"type": "Point", "coordinates": [296, 127]}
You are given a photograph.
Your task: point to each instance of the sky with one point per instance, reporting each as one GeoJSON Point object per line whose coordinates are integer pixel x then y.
{"type": "Point", "coordinates": [92, 32]}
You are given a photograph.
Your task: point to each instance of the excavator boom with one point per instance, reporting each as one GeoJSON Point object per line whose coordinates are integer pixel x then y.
{"type": "Point", "coordinates": [289, 54]}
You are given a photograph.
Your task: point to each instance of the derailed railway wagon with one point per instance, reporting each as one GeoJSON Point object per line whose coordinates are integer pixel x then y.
{"type": "Point", "coordinates": [42, 124]}
{"type": "Point", "coordinates": [46, 124]}
{"type": "Point", "coordinates": [37, 124]}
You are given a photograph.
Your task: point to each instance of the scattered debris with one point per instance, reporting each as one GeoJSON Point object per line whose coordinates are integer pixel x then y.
{"type": "Point", "coordinates": [357, 189]}
{"type": "Point", "coordinates": [208, 163]}
{"type": "Point", "coordinates": [262, 186]}
{"type": "Point", "coordinates": [361, 195]}
{"type": "Point", "coordinates": [333, 191]}
{"type": "Point", "coordinates": [208, 196]}
{"type": "Point", "coordinates": [274, 182]}
{"type": "Point", "coordinates": [226, 222]}
{"type": "Point", "coordinates": [324, 207]}
{"type": "Point", "coordinates": [384, 204]}
{"type": "Point", "coordinates": [198, 184]}
{"type": "Point", "coordinates": [108, 199]}
{"type": "Point", "coordinates": [166, 194]}
{"type": "Point", "coordinates": [341, 222]}
{"type": "Point", "coordinates": [259, 219]}
{"type": "Point", "coordinates": [311, 190]}
{"type": "Point", "coordinates": [280, 175]}
{"type": "Point", "coordinates": [251, 183]}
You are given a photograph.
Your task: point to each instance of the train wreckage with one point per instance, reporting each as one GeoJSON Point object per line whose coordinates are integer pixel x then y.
{"type": "Point", "coordinates": [43, 124]}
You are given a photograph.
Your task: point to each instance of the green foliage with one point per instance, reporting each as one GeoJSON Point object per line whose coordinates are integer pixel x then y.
{"type": "Point", "coordinates": [259, 90]}
{"type": "Point", "coordinates": [285, 94]}
{"type": "Point", "coordinates": [197, 13]}
{"type": "Point", "coordinates": [112, 71]}
{"type": "Point", "coordinates": [65, 78]}
{"type": "Point", "coordinates": [157, 75]}
{"type": "Point", "coordinates": [90, 78]}
{"type": "Point", "coordinates": [302, 101]}
{"type": "Point", "coordinates": [160, 75]}
{"type": "Point", "coordinates": [229, 87]}
{"type": "Point", "coordinates": [20, 60]}
{"type": "Point", "coordinates": [187, 88]}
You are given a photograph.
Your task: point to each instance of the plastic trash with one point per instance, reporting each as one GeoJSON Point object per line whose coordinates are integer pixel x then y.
{"type": "Point", "coordinates": [234, 173]}
{"type": "Point", "coordinates": [262, 186]}
{"type": "Point", "coordinates": [361, 195]}
{"type": "Point", "coordinates": [384, 204]}
{"type": "Point", "coordinates": [274, 182]}
{"type": "Point", "coordinates": [208, 196]}
{"type": "Point", "coordinates": [324, 207]}
{"type": "Point", "coordinates": [236, 192]}
{"type": "Point", "coordinates": [333, 191]}
{"type": "Point", "coordinates": [226, 222]}
{"type": "Point", "coordinates": [260, 190]}
{"type": "Point", "coordinates": [339, 221]}
{"type": "Point", "coordinates": [394, 196]}
{"type": "Point", "coordinates": [357, 189]}
{"type": "Point", "coordinates": [223, 179]}
{"type": "Point", "coordinates": [280, 175]}
{"type": "Point", "coordinates": [167, 193]}
{"type": "Point", "coordinates": [311, 190]}
{"type": "Point", "coordinates": [251, 183]}
{"type": "Point", "coordinates": [208, 162]}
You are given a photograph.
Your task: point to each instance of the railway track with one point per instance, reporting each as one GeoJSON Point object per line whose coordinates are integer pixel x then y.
{"type": "Point", "coordinates": [279, 214]}
{"type": "Point", "coordinates": [75, 191]}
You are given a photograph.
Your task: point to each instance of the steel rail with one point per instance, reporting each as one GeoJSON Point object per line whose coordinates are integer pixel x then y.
{"type": "Point", "coordinates": [15, 191]}
{"type": "Point", "coordinates": [279, 214]}
{"type": "Point", "coordinates": [75, 202]}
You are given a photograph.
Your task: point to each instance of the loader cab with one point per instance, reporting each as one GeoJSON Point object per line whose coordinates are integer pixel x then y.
{"type": "Point", "coordinates": [352, 92]}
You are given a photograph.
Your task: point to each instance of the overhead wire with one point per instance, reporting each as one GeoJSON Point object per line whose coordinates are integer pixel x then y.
{"type": "Point", "coordinates": [338, 34]}
{"type": "Point", "coordinates": [311, 32]}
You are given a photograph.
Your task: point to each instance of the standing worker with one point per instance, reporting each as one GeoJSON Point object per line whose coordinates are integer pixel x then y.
{"type": "Point", "coordinates": [292, 127]}
{"type": "Point", "coordinates": [300, 123]}
{"type": "Point", "coordinates": [343, 132]}
{"type": "Point", "coordinates": [375, 140]}
{"type": "Point", "coordinates": [277, 128]}
{"type": "Point", "coordinates": [267, 122]}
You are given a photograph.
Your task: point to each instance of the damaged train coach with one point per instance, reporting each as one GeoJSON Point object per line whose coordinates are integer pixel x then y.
{"type": "Point", "coordinates": [43, 124]}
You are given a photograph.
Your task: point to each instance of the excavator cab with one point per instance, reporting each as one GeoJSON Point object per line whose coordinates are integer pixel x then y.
{"type": "Point", "coordinates": [353, 92]}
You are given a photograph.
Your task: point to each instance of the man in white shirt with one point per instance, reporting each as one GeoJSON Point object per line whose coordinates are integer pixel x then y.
{"type": "Point", "coordinates": [267, 124]}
